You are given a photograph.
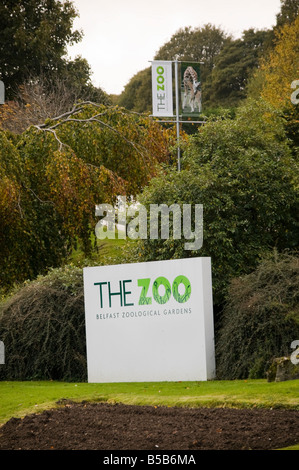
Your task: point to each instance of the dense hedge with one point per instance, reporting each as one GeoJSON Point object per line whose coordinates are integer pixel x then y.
{"type": "Point", "coordinates": [43, 328]}
{"type": "Point", "coordinates": [261, 319]}
{"type": "Point", "coordinates": [43, 325]}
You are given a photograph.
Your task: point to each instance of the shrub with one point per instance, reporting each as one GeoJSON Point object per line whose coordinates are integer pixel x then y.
{"type": "Point", "coordinates": [261, 318]}
{"type": "Point", "coordinates": [42, 326]}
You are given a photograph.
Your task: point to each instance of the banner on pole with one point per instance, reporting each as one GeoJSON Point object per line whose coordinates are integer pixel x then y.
{"type": "Point", "coordinates": [162, 99]}
{"type": "Point", "coordinates": [190, 89]}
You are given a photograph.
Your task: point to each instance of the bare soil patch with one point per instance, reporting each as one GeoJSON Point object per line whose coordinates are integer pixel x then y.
{"type": "Point", "coordinates": [102, 426]}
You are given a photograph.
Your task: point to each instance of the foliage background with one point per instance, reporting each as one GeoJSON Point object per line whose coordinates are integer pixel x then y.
{"type": "Point", "coordinates": [261, 318]}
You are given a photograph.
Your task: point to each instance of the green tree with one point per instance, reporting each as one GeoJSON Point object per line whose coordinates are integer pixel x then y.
{"type": "Point", "coordinates": [261, 318]}
{"type": "Point", "coordinates": [34, 35]}
{"type": "Point", "coordinates": [187, 44]}
{"type": "Point", "coordinates": [41, 98]}
{"type": "Point", "coordinates": [43, 327]}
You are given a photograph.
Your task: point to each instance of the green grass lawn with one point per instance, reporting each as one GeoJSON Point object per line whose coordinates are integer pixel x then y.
{"type": "Point", "coordinates": [20, 398]}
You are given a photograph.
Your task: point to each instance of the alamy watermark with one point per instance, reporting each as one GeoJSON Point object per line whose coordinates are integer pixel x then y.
{"type": "Point", "coordinates": [160, 222]}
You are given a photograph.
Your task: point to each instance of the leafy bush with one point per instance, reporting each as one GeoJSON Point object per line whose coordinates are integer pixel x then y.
{"type": "Point", "coordinates": [261, 318]}
{"type": "Point", "coordinates": [42, 326]}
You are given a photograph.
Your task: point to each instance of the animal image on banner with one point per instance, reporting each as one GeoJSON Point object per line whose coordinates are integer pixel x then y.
{"type": "Point", "coordinates": [191, 93]}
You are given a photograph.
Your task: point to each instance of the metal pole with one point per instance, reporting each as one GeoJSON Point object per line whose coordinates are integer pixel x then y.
{"type": "Point", "coordinates": [177, 112]}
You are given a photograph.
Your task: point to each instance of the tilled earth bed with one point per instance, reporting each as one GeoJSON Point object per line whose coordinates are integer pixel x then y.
{"type": "Point", "coordinates": [103, 426]}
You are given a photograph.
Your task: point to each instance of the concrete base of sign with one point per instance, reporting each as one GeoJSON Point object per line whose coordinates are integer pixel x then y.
{"type": "Point", "coordinates": [150, 321]}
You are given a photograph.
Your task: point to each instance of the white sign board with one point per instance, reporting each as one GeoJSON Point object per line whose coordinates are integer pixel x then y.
{"type": "Point", "coordinates": [162, 88]}
{"type": "Point", "coordinates": [150, 321]}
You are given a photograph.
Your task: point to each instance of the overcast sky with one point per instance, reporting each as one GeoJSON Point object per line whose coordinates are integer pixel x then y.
{"type": "Point", "coordinates": [122, 36]}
